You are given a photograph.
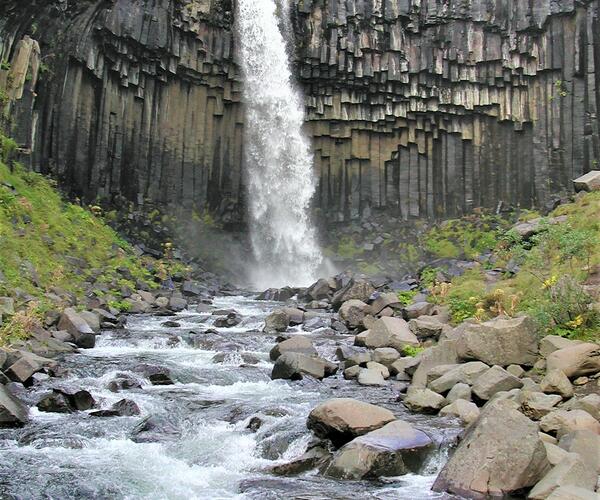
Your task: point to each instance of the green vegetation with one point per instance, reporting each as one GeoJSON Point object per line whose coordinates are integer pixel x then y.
{"type": "Point", "coordinates": [347, 248]}
{"type": "Point", "coordinates": [407, 297]}
{"type": "Point", "coordinates": [468, 237]}
{"type": "Point", "coordinates": [554, 265]}
{"type": "Point", "coordinates": [50, 247]}
{"type": "Point", "coordinates": [412, 351]}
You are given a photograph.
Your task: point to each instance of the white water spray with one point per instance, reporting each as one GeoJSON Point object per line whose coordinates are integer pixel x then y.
{"type": "Point", "coordinates": [279, 167]}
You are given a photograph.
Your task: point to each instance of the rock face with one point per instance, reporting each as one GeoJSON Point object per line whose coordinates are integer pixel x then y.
{"type": "Point", "coordinates": [500, 454]}
{"type": "Point", "coordinates": [500, 342]}
{"type": "Point", "coordinates": [13, 413]}
{"type": "Point", "coordinates": [343, 419]}
{"type": "Point", "coordinates": [395, 449]}
{"type": "Point", "coordinates": [423, 108]}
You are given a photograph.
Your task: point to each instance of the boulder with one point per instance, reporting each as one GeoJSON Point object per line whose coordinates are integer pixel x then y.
{"type": "Point", "coordinates": [516, 370]}
{"type": "Point", "coordinates": [352, 372]}
{"type": "Point", "coordinates": [297, 343]}
{"type": "Point", "coordinates": [294, 366]}
{"type": "Point", "coordinates": [277, 321]}
{"type": "Point", "coordinates": [92, 319]}
{"type": "Point", "coordinates": [576, 360]}
{"type": "Point", "coordinates": [537, 405]}
{"type": "Point", "coordinates": [7, 306]}
{"type": "Point", "coordinates": [176, 304]}
{"type": "Point", "coordinates": [589, 403]}
{"type": "Point", "coordinates": [551, 343]}
{"type": "Point", "coordinates": [500, 342]}
{"type": "Point", "coordinates": [229, 321]}
{"type": "Point", "coordinates": [571, 471]}
{"type": "Point", "coordinates": [426, 327]}
{"type": "Point", "coordinates": [466, 373]}
{"type": "Point", "coordinates": [296, 315]}
{"type": "Point", "coordinates": [588, 182]}
{"type": "Point", "coordinates": [383, 301]}
{"type": "Point", "coordinates": [157, 375]}
{"type": "Point", "coordinates": [353, 312]}
{"type": "Point", "coordinates": [556, 382]}
{"type": "Point", "coordinates": [405, 365]}
{"type": "Point", "coordinates": [464, 410]}
{"type": "Point", "coordinates": [573, 493]}
{"type": "Point", "coordinates": [444, 353]}
{"type": "Point", "coordinates": [459, 391]}
{"type": "Point", "coordinates": [311, 459]}
{"type": "Point", "coordinates": [122, 408]}
{"type": "Point", "coordinates": [494, 380]}
{"type": "Point", "coordinates": [371, 377]}
{"type": "Point", "coordinates": [417, 309]}
{"type": "Point", "coordinates": [342, 419]}
{"type": "Point", "coordinates": [81, 332]}
{"type": "Point", "coordinates": [355, 289]}
{"type": "Point", "coordinates": [423, 400]}
{"type": "Point", "coordinates": [55, 402]}
{"type": "Point", "coordinates": [373, 365]}
{"type": "Point", "coordinates": [561, 422]}
{"type": "Point", "coordinates": [23, 369]}
{"type": "Point", "coordinates": [393, 450]}
{"type": "Point", "coordinates": [386, 356]}
{"type": "Point", "coordinates": [586, 444]}
{"type": "Point", "coordinates": [501, 454]}
{"type": "Point", "coordinates": [13, 413]}
{"type": "Point", "coordinates": [353, 356]}
{"type": "Point", "coordinates": [317, 291]}
{"type": "Point", "coordinates": [388, 332]}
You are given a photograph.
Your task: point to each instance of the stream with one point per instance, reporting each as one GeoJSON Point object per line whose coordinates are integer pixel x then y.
{"type": "Point", "coordinates": [200, 446]}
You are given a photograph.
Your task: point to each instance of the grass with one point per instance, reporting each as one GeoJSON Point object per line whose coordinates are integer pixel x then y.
{"type": "Point", "coordinates": [553, 266]}
{"type": "Point", "coordinates": [48, 244]}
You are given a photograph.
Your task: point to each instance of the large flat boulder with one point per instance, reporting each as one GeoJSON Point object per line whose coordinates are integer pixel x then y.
{"type": "Point", "coordinates": [297, 343]}
{"type": "Point", "coordinates": [393, 450]}
{"type": "Point", "coordinates": [388, 332]}
{"type": "Point", "coordinates": [500, 342]}
{"type": "Point", "coordinates": [342, 419]}
{"type": "Point", "coordinates": [500, 454]}
{"type": "Point", "coordinates": [495, 380]}
{"type": "Point", "coordinates": [588, 182]}
{"type": "Point", "coordinates": [576, 360]}
{"type": "Point", "coordinates": [13, 413]}
{"type": "Point", "coordinates": [79, 329]}
{"type": "Point", "coordinates": [294, 366]}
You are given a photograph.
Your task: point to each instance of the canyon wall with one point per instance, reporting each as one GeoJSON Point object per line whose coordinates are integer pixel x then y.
{"type": "Point", "coordinates": [418, 107]}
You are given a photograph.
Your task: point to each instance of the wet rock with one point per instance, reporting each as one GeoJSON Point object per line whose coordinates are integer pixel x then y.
{"type": "Point", "coordinates": [577, 360]}
{"type": "Point", "coordinates": [297, 316]}
{"type": "Point", "coordinates": [55, 402]}
{"type": "Point", "coordinates": [81, 332]}
{"type": "Point", "coordinates": [317, 291]}
{"type": "Point", "coordinates": [393, 450]}
{"type": "Point", "coordinates": [315, 323]}
{"type": "Point", "coordinates": [353, 356]}
{"type": "Point", "coordinates": [562, 422]}
{"type": "Point", "coordinates": [500, 342]}
{"type": "Point", "coordinates": [156, 375]}
{"type": "Point", "coordinates": [464, 410]}
{"type": "Point", "coordinates": [123, 382]}
{"type": "Point", "coordinates": [193, 289]}
{"type": "Point", "coordinates": [79, 399]}
{"type": "Point", "coordinates": [13, 413]}
{"type": "Point", "coordinates": [170, 324]}
{"type": "Point", "coordinates": [293, 366]}
{"type": "Point", "coordinates": [245, 357]}
{"type": "Point", "coordinates": [495, 379]}
{"type": "Point", "coordinates": [339, 327]}
{"type": "Point", "coordinates": [154, 428]}
{"type": "Point", "coordinates": [277, 321]}
{"type": "Point", "coordinates": [500, 454]}
{"type": "Point", "coordinates": [314, 458]}
{"type": "Point", "coordinates": [92, 319]}
{"type": "Point", "coordinates": [341, 420]}
{"type": "Point", "coordinates": [23, 369]}
{"type": "Point", "coordinates": [254, 424]}
{"type": "Point", "coordinates": [423, 400]}
{"type": "Point", "coordinates": [297, 343]}
{"type": "Point", "coordinates": [352, 372]}
{"type": "Point", "coordinates": [556, 382]}
{"type": "Point", "coordinates": [232, 319]}
{"type": "Point", "coordinates": [353, 312]}
{"type": "Point", "coordinates": [126, 408]}
{"type": "Point", "coordinates": [177, 304]}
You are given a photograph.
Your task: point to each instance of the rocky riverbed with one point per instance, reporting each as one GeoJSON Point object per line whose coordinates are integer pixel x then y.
{"type": "Point", "coordinates": [303, 393]}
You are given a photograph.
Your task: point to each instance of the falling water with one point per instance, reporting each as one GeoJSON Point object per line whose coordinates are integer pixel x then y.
{"type": "Point", "coordinates": [279, 168]}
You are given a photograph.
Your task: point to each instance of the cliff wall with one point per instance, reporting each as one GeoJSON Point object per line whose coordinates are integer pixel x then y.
{"type": "Point", "coordinates": [418, 107]}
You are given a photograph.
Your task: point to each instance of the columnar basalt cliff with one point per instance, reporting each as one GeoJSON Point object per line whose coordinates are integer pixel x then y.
{"type": "Point", "coordinates": [419, 107]}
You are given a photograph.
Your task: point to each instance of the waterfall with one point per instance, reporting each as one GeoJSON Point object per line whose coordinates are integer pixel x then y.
{"type": "Point", "coordinates": [279, 167]}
